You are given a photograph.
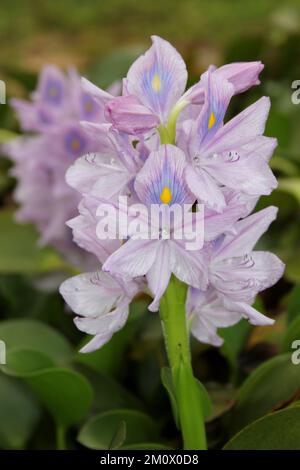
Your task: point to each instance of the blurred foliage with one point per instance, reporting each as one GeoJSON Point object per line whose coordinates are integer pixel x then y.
{"type": "Point", "coordinates": [50, 394]}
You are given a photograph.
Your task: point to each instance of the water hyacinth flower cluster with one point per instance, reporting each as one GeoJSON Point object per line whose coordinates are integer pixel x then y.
{"type": "Point", "coordinates": [223, 166]}
{"type": "Point", "coordinates": [54, 139]}
{"type": "Point", "coordinates": [161, 145]}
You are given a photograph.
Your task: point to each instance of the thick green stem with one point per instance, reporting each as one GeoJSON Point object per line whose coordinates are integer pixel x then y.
{"type": "Point", "coordinates": [173, 317]}
{"type": "Point", "coordinates": [168, 133]}
{"type": "Point", "coordinates": [60, 438]}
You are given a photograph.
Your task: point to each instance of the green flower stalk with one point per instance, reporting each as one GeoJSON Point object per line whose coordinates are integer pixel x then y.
{"type": "Point", "coordinates": [187, 395]}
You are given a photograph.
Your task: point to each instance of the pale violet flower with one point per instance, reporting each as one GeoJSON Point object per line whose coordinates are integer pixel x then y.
{"type": "Point", "coordinates": [41, 159]}
{"type": "Point", "coordinates": [101, 303]}
{"type": "Point", "coordinates": [159, 145]}
{"type": "Point", "coordinates": [155, 85]}
{"type": "Point", "coordinates": [236, 275]}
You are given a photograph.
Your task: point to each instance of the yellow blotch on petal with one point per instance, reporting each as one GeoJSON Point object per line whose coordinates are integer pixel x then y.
{"type": "Point", "coordinates": [156, 83]}
{"type": "Point", "coordinates": [166, 195]}
{"type": "Point", "coordinates": [52, 91]}
{"type": "Point", "coordinates": [211, 120]}
{"type": "Point", "coordinates": [89, 106]}
{"type": "Point", "coordinates": [75, 144]}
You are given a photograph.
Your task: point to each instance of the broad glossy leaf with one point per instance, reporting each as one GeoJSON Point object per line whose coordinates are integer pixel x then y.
{"type": "Point", "coordinates": [66, 394]}
{"type": "Point", "coordinates": [284, 165]}
{"type": "Point", "coordinates": [294, 304]}
{"type": "Point", "coordinates": [235, 337]}
{"type": "Point", "coordinates": [146, 446]}
{"type": "Point", "coordinates": [278, 431]}
{"type": "Point", "coordinates": [22, 299]}
{"type": "Point", "coordinates": [19, 251]}
{"type": "Point", "coordinates": [23, 362]}
{"type": "Point", "coordinates": [19, 413]}
{"type": "Point", "coordinates": [272, 385]}
{"type": "Point", "coordinates": [108, 393]}
{"type": "Point", "coordinates": [35, 335]}
{"type": "Point", "coordinates": [291, 186]}
{"type": "Point", "coordinates": [100, 431]}
{"type": "Point", "coordinates": [292, 270]}
{"type": "Point", "coordinates": [292, 333]}
{"type": "Point", "coordinates": [234, 340]}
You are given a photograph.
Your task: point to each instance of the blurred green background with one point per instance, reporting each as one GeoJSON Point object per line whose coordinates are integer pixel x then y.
{"type": "Point", "coordinates": [114, 398]}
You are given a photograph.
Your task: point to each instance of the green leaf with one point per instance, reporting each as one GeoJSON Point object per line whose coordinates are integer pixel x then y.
{"type": "Point", "coordinates": [108, 393]}
{"type": "Point", "coordinates": [294, 304]}
{"type": "Point", "coordinates": [23, 362]}
{"type": "Point", "coordinates": [146, 446]}
{"type": "Point", "coordinates": [24, 256]}
{"type": "Point", "coordinates": [191, 397]}
{"type": "Point", "coordinates": [286, 166]}
{"type": "Point", "coordinates": [100, 431]}
{"type": "Point", "coordinates": [6, 135]}
{"type": "Point", "coordinates": [66, 394]}
{"type": "Point", "coordinates": [234, 340]}
{"type": "Point", "coordinates": [292, 271]}
{"type": "Point", "coordinates": [292, 333]}
{"type": "Point", "coordinates": [37, 336]}
{"type": "Point", "coordinates": [19, 414]}
{"type": "Point", "coordinates": [291, 186]}
{"type": "Point", "coordinates": [119, 437]}
{"type": "Point", "coordinates": [236, 336]}
{"type": "Point", "coordinates": [22, 299]}
{"type": "Point", "coordinates": [167, 381]}
{"type": "Point", "coordinates": [205, 399]}
{"type": "Point", "coordinates": [114, 66]}
{"type": "Point", "coordinates": [278, 431]}
{"type": "Point", "coordinates": [270, 386]}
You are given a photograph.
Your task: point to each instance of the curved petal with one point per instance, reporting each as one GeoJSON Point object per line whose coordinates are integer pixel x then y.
{"type": "Point", "coordinates": [84, 228]}
{"type": "Point", "coordinates": [91, 294]}
{"type": "Point", "coordinates": [133, 259]}
{"type": "Point", "coordinates": [128, 115]}
{"type": "Point", "coordinates": [251, 174]}
{"type": "Point", "coordinates": [241, 278]}
{"type": "Point", "coordinates": [217, 223]}
{"type": "Point", "coordinates": [98, 174]}
{"type": "Point", "coordinates": [247, 232]}
{"type": "Point", "coordinates": [204, 187]}
{"type": "Point", "coordinates": [159, 275]}
{"type": "Point", "coordinates": [218, 93]}
{"type": "Point", "coordinates": [158, 78]}
{"type": "Point", "coordinates": [242, 75]}
{"type": "Point", "coordinates": [189, 266]}
{"type": "Point", "coordinates": [103, 326]}
{"type": "Point", "coordinates": [100, 95]}
{"type": "Point", "coordinates": [240, 130]}
{"type": "Point", "coordinates": [251, 314]}
{"type": "Point", "coordinates": [206, 323]}
{"type": "Point", "coordinates": [161, 181]}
